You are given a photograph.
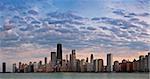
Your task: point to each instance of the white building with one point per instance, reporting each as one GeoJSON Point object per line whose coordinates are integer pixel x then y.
{"type": "Point", "coordinates": [96, 65]}
{"type": "Point", "coordinates": [14, 67]}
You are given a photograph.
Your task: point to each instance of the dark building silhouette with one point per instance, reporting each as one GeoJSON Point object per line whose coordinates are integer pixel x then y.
{"type": "Point", "coordinates": [91, 58]}
{"type": "Point", "coordinates": [40, 64]}
{"type": "Point", "coordinates": [123, 66]}
{"type": "Point", "coordinates": [87, 60]}
{"type": "Point", "coordinates": [70, 66]}
{"type": "Point", "coordinates": [45, 60]}
{"type": "Point", "coordinates": [4, 67]}
{"type": "Point", "coordinates": [59, 54]}
{"type": "Point", "coordinates": [32, 68]}
{"type": "Point", "coordinates": [116, 66]}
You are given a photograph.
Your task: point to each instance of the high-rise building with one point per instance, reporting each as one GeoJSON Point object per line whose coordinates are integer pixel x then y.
{"type": "Point", "coordinates": [138, 65]}
{"type": "Point", "coordinates": [95, 63]}
{"type": "Point", "coordinates": [91, 58]}
{"type": "Point", "coordinates": [30, 67]}
{"type": "Point", "coordinates": [26, 68]}
{"type": "Point", "coordinates": [78, 69]}
{"type": "Point", "coordinates": [91, 62]}
{"type": "Point", "coordinates": [135, 65]}
{"type": "Point", "coordinates": [116, 66]}
{"type": "Point", "coordinates": [141, 63]}
{"type": "Point", "coordinates": [124, 66]}
{"type": "Point", "coordinates": [35, 65]}
{"type": "Point", "coordinates": [70, 63]}
{"type": "Point", "coordinates": [146, 63]}
{"type": "Point", "coordinates": [88, 66]}
{"type": "Point", "coordinates": [100, 65]}
{"type": "Point", "coordinates": [45, 60]}
{"type": "Point", "coordinates": [14, 68]}
{"type": "Point", "coordinates": [73, 62]}
{"type": "Point", "coordinates": [87, 60]}
{"type": "Point", "coordinates": [39, 64]}
{"type": "Point", "coordinates": [59, 54]}
{"type": "Point", "coordinates": [53, 58]}
{"type": "Point", "coordinates": [129, 66]}
{"type": "Point", "coordinates": [109, 62]}
{"type": "Point", "coordinates": [63, 68]}
{"type": "Point", "coordinates": [149, 61]}
{"type": "Point", "coordinates": [73, 55]}
{"type": "Point", "coordinates": [82, 69]}
{"type": "Point", "coordinates": [19, 66]}
{"type": "Point", "coordinates": [4, 67]}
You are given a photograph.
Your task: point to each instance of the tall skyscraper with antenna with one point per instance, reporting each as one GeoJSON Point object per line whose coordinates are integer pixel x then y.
{"type": "Point", "coordinates": [59, 53]}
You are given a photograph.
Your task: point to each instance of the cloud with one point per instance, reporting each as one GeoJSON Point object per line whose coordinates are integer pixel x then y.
{"type": "Point", "coordinates": [33, 12]}
{"type": "Point", "coordinates": [119, 12]}
{"type": "Point", "coordinates": [91, 28]}
{"type": "Point", "coordinates": [129, 14]}
{"type": "Point", "coordinates": [35, 30]}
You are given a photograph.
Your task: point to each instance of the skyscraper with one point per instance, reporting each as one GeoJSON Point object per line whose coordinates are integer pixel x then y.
{"type": "Point", "coordinates": [30, 67]}
{"type": "Point", "coordinates": [100, 65]}
{"type": "Point", "coordinates": [45, 60]}
{"type": "Point", "coordinates": [4, 67]}
{"type": "Point", "coordinates": [14, 67]}
{"type": "Point", "coordinates": [91, 62]}
{"type": "Point", "coordinates": [40, 64]}
{"type": "Point", "coordinates": [59, 54]}
{"type": "Point", "coordinates": [73, 56]}
{"type": "Point", "coordinates": [124, 65]}
{"type": "Point", "coordinates": [70, 63]}
{"type": "Point", "coordinates": [116, 66]}
{"type": "Point", "coordinates": [53, 58]}
{"type": "Point", "coordinates": [95, 62]}
{"type": "Point", "coordinates": [91, 58]}
{"type": "Point", "coordinates": [82, 69]}
{"type": "Point", "coordinates": [146, 63]}
{"type": "Point", "coordinates": [149, 61]}
{"type": "Point", "coordinates": [87, 60]}
{"type": "Point", "coordinates": [109, 62]}
{"type": "Point", "coordinates": [78, 65]}
{"type": "Point", "coordinates": [134, 65]}
{"type": "Point", "coordinates": [73, 62]}
{"type": "Point", "coordinates": [141, 63]}
{"type": "Point", "coordinates": [35, 65]}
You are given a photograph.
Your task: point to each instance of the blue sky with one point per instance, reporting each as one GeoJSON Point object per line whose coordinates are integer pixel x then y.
{"type": "Point", "coordinates": [30, 29]}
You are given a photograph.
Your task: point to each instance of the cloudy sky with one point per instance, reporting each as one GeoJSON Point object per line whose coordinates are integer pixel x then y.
{"type": "Point", "coordinates": [30, 29]}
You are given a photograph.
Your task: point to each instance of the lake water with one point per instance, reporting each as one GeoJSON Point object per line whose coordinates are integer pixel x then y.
{"type": "Point", "coordinates": [74, 75]}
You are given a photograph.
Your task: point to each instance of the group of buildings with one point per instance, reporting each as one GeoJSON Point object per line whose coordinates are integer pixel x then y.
{"type": "Point", "coordinates": [72, 64]}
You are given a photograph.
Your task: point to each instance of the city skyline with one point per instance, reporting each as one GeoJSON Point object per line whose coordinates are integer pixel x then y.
{"type": "Point", "coordinates": [30, 30]}
{"type": "Point", "coordinates": [73, 64]}
{"type": "Point", "coordinates": [80, 56]}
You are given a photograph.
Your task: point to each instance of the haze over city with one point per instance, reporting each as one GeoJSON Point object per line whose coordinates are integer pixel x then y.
{"type": "Point", "coordinates": [30, 29]}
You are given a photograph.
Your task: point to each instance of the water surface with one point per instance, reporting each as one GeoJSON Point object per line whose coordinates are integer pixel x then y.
{"type": "Point", "coordinates": [74, 75]}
